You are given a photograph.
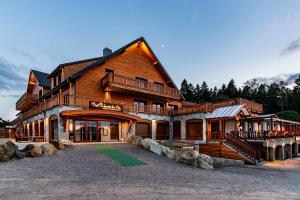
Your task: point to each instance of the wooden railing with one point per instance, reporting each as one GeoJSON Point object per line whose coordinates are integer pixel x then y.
{"type": "Point", "coordinates": [198, 108]}
{"type": "Point", "coordinates": [140, 85]}
{"type": "Point", "coordinates": [146, 109]}
{"type": "Point", "coordinates": [42, 106]}
{"type": "Point", "coordinates": [263, 135]}
{"type": "Point", "coordinates": [253, 106]}
{"type": "Point", "coordinates": [26, 98]}
{"type": "Point", "coordinates": [242, 146]}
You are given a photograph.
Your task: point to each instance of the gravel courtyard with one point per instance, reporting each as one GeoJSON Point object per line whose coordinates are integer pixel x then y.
{"type": "Point", "coordinates": [81, 172]}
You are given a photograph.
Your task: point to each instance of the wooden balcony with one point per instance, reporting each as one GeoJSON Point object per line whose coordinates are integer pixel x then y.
{"type": "Point", "coordinates": [198, 108]}
{"type": "Point", "coordinates": [128, 85]}
{"type": "Point", "coordinates": [265, 135]}
{"type": "Point", "coordinates": [252, 106]}
{"type": "Point", "coordinates": [26, 102]}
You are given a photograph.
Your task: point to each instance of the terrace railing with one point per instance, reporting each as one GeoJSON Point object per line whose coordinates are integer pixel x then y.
{"type": "Point", "coordinates": [129, 83]}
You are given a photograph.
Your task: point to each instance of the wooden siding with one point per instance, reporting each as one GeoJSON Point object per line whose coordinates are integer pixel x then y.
{"type": "Point", "coordinates": [134, 62]}
{"type": "Point", "coordinates": [69, 70]}
{"type": "Point", "coordinates": [219, 150]}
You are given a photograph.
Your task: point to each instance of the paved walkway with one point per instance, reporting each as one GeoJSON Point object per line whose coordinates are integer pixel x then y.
{"type": "Point", "coordinates": [83, 173]}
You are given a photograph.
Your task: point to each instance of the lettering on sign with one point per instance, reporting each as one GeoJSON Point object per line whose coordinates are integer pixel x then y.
{"type": "Point", "coordinates": [104, 106]}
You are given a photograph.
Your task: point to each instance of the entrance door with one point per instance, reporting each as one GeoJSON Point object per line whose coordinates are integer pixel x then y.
{"type": "Point", "coordinates": [104, 130]}
{"type": "Point", "coordinates": [54, 130]}
{"type": "Point", "coordinates": [114, 130]}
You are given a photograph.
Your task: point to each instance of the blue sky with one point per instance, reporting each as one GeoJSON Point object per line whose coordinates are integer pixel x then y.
{"type": "Point", "coordinates": [197, 40]}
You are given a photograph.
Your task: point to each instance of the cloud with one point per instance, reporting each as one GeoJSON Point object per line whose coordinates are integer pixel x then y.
{"type": "Point", "coordinates": [11, 76]}
{"type": "Point", "coordinates": [289, 79]}
{"type": "Point", "coordinates": [24, 54]}
{"type": "Point", "coordinates": [291, 48]}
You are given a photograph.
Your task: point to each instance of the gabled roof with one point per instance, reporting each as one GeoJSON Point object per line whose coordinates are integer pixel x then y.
{"type": "Point", "coordinates": [229, 112]}
{"type": "Point", "coordinates": [41, 78]}
{"type": "Point", "coordinates": [72, 63]}
{"type": "Point", "coordinates": [101, 60]}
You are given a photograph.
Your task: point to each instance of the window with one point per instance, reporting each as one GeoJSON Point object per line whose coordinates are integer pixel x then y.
{"type": "Point", "coordinates": [172, 107]}
{"type": "Point", "coordinates": [139, 105]}
{"type": "Point", "coordinates": [109, 71]}
{"type": "Point", "coordinates": [158, 87]}
{"type": "Point", "coordinates": [58, 77]}
{"type": "Point", "coordinates": [141, 82]}
{"type": "Point", "coordinates": [158, 107]}
{"type": "Point", "coordinates": [54, 82]}
{"type": "Point", "coordinates": [41, 93]}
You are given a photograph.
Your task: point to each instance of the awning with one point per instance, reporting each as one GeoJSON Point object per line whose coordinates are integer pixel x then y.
{"type": "Point", "coordinates": [99, 113]}
{"type": "Point", "coordinates": [229, 112]}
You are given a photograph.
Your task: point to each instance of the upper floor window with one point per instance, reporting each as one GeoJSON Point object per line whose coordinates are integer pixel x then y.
{"type": "Point", "coordinates": [141, 82]}
{"type": "Point", "coordinates": [58, 77]}
{"type": "Point", "coordinates": [158, 86]}
{"type": "Point", "coordinates": [139, 105]}
{"type": "Point", "coordinates": [41, 93]}
{"type": "Point", "coordinates": [172, 107]}
{"type": "Point", "coordinates": [108, 71]}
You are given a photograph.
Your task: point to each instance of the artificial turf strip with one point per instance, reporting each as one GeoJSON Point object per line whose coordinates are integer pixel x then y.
{"type": "Point", "coordinates": [118, 156]}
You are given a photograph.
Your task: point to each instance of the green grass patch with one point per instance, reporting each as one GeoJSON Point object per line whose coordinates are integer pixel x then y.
{"type": "Point", "coordinates": [117, 155]}
{"type": "Point", "coordinates": [3, 140]}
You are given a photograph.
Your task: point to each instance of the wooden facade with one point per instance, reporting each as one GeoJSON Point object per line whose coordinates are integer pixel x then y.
{"type": "Point", "coordinates": [134, 94]}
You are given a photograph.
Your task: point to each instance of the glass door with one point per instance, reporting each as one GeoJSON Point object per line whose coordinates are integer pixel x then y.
{"type": "Point", "coordinates": [114, 130]}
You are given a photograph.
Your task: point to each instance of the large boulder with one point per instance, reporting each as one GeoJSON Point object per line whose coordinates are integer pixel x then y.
{"type": "Point", "coordinates": [48, 149]}
{"type": "Point", "coordinates": [6, 153]}
{"type": "Point", "coordinates": [12, 145]}
{"type": "Point", "coordinates": [205, 162]}
{"type": "Point", "coordinates": [145, 143]}
{"type": "Point", "coordinates": [58, 144]}
{"type": "Point", "coordinates": [187, 156]}
{"type": "Point", "coordinates": [32, 150]}
{"type": "Point", "coordinates": [155, 147]}
{"type": "Point", "coordinates": [137, 140]}
{"type": "Point", "coordinates": [168, 152]}
{"type": "Point", "coordinates": [130, 138]}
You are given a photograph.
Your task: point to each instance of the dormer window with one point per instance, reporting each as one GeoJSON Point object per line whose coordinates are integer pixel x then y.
{"type": "Point", "coordinates": [58, 79]}
{"type": "Point", "coordinates": [41, 92]}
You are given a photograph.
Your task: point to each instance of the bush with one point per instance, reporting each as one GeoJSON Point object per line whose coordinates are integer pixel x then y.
{"type": "Point", "coordinates": [289, 115]}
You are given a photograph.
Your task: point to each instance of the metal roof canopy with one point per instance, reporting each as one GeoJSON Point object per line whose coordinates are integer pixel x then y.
{"type": "Point", "coordinates": [229, 112]}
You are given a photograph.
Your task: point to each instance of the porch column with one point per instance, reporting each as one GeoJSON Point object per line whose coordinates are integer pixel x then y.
{"type": "Point", "coordinates": [272, 153]}
{"type": "Point", "coordinates": [204, 130]}
{"type": "Point", "coordinates": [267, 151]}
{"type": "Point", "coordinates": [39, 127]}
{"type": "Point", "coordinates": [183, 129]}
{"type": "Point", "coordinates": [28, 130]}
{"type": "Point", "coordinates": [153, 128]}
{"type": "Point", "coordinates": [170, 130]}
{"type": "Point", "coordinates": [290, 153]}
{"type": "Point", "coordinates": [281, 153]}
{"type": "Point", "coordinates": [33, 129]}
{"type": "Point", "coordinates": [245, 126]}
{"type": "Point", "coordinates": [66, 134]}
{"type": "Point", "coordinates": [46, 129]}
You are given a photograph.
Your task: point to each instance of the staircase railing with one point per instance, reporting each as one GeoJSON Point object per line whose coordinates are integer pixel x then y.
{"type": "Point", "coordinates": [243, 146]}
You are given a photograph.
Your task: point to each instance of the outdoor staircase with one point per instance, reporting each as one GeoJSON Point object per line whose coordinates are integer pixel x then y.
{"type": "Point", "coordinates": [244, 149]}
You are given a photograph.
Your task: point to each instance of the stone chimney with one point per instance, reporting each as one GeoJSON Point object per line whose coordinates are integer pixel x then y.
{"type": "Point", "coordinates": [106, 51]}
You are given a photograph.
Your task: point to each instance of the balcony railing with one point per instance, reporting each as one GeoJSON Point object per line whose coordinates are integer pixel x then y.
{"type": "Point", "coordinates": [253, 106]}
{"type": "Point", "coordinates": [263, 135]}
{"type": "Point", "coordinates": [198, 108]}
{"type": "Point", "coordinates": [26, 101]}
{"type": "Point", "coordinates": [139, 85]}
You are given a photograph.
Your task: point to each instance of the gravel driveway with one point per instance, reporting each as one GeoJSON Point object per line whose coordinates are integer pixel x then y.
{"type": "Point", "coordinates": [81, 172]}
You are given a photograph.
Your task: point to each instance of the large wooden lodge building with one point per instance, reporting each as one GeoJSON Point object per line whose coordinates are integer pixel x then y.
{"type": "Point", "coordinates": [128, 91]}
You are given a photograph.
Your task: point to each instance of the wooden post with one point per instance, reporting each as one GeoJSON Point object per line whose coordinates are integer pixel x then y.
{"type": "Point", "coordinates": [220, 130]}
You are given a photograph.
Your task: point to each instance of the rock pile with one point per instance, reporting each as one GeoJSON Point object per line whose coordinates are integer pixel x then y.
{"type": "Point", "coordinates": [186, 156]}
{"type": "Point", "coordinates": [9, 150]}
